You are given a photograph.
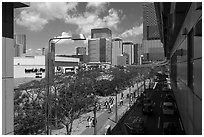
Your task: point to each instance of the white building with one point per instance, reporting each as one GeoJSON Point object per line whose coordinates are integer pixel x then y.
{"type": "Point", "coordinates": [34, 66]}
{"type": "Point", "coordinates": [116, 51]}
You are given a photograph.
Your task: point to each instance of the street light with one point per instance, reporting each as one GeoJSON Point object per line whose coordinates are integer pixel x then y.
{"type": "Point", "coordinates": [116, 106]}
{"type": "Point", "coordinates": [141, 58]}
{"type": "Point", "coordinates": [128, 43]}
{"type": "Point", "coordinates": [49, 66]}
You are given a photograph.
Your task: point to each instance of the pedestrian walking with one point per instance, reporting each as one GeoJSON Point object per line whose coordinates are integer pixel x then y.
{"type": "Point", "coordinates": [128, 95]}
{"type": "Point", "coordinates": [89, 120]}
{"type": "Point", "coordinates": [94, 121]}
{"type": "Point", "coordinates": [106, 104]}
{"type": "Point", "coordinates": [122, 95]}
{"type": "Point", "coordinates": [121, 101]}
{"type": "Point", "coordinates": [99, 106]}
{"type": "Point", "coordinates": [109, 108]}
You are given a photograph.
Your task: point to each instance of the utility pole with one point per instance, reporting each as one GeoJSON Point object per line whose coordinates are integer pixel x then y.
{"type": "Point", "coordinates": [144, 84]}
{"type": "Point", "coordinates": [116, 106]}
{"type": "Point", "coordinates": [95, 121]}
{"type": "Point", "coordinates": [129, 95]}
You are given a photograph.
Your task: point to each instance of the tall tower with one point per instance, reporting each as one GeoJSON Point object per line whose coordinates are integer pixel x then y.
{"type": "Point", "coordinates": [152, 48]}
{"type": "Point", "coordinates": [105, 36]}
{"type": "Point", "coordinates": [101, 33]}
{"type": "Point", "coordinates": [128, 49]}
{"type": "Point", "coordinates": [20, 44]}
{"type": "Point", "coordinates": [94, 50]}
{"type": "Point", "coordinates": [97, 50]}
{"type": "Point", "coordinates": [116, 51]}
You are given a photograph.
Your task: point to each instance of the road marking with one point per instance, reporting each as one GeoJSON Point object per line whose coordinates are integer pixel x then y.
{"type": "Point", "coordinates": [181, 124]}
{"type": "Point", "coordinates": [158, 122]}
{"type": "Point", "coordinates": [160, 104]}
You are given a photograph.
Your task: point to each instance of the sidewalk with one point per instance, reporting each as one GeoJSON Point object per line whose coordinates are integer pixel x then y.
{"type": "Point", "coordinates": [79, 125]}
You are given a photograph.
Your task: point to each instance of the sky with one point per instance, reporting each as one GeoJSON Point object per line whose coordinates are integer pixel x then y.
{"type": "Point", "coordinates": [44, 20]}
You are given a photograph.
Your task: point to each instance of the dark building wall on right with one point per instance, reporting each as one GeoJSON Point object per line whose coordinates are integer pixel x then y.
{"type": "Point", "coordinates": [185, 54]}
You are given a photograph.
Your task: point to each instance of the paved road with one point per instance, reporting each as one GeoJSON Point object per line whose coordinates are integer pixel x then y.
{"type": "Point", "coordinates": [153, 123]}
{"type": "Point", "coordinates": [103, 120]}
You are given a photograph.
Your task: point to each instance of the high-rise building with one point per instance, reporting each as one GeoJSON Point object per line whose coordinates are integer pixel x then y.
{"type": "Point", "coordinates": [128, 49]}
{"type": "Point", "coordinates": [94, 50]}
{"type": "Point", "coordinates": [151, 36]}
{"type": "Point", "coordinates": [105, 36]}
{"type": "Point", "coordinates": [19, 45]}
{"type": "Point", "coordinates": [137, 53]}
{"type": "Point", "coordinates": [81, 51]}
{"type": "Point", "coordinates": [98, 50]}
{"type": "Point", "coordinates": [101, 33]}
{"type": "Point", "coordinates": [127, 58]}
{"type": "Point", "coordinates": [116, 51]}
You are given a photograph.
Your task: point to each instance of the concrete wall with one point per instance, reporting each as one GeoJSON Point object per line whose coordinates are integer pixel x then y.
{"type": "Point", "coordinates": [7, 69]}
{"type": "Point", "coordinates": [187, 83]}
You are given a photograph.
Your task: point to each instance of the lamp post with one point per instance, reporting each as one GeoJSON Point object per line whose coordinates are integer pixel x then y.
{"type": "Point", "coordinates": [141, 58]}
{"type": "Point", "coordinates": [94, 112]}
{"type": "Point", "coordinates": [128, 43]}
{"type": "Point", "coordinates": [49, 66]}
{"type": "Point", "coordinates": [129, 95]}
{"type": "Point", "coordinates": [116, 105]}
{"type": "Point", "coordinates": [119, 40]}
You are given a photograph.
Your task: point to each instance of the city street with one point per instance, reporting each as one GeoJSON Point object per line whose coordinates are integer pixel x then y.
{"type": "Point", "coordinates": [153, 123]}
{"type": "Point", "coordinates": [103, 117]}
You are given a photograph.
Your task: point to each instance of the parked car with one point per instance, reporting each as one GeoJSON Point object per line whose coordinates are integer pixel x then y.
{"type": "Point", "coordinates": [166, 87]}
{"type": "Point", "coordinates": [148, 101]}
{"type": "Point", "coordinates": [170, 128]}
{"type": "Point", "coordinates": [169, 98]}
{"type": "Point", "coordinates": [147, 109]}
{"type": "Point", "coordinates": [135, 125]}
{"type": "Point", "coordinates": [168, 108]}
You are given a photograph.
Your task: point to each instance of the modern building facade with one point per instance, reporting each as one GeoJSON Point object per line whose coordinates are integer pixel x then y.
{"type": "Point", "coordinates": [121, 60]}
{"type": "Point", "coordinates": [7, 65]}
{"type": "Point", "coordinates": [151, 36]}
{"type": "Point", "coordinates": [81, 51]}
{"type": "Point", "coordinates": [101, 33]}
{"type": "Point", "coordinates": [137, 52]}
{"type": "Point", "coordinates": [94, 50]}
{"type": "Point", "coordinates": [128, 51]}
{"type": "Point", "coordinates": [127, 58]}
{"type": "Point", "coordinates": [105, 36]}
{"type": "Point", "coordinates": [19, 44]}
{"type": "Point", "coordinates": [99, 50]}
{"type": "Point", "coordinates": [116, 51]}
{"type": "Point", "coordinates": [180, 27]}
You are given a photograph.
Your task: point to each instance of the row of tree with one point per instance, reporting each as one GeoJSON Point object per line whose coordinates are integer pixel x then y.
{"type": "Point", "coordinates": [70, 96]}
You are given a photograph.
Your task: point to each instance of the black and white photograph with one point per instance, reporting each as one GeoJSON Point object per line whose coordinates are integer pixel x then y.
{"type": "Point", "coordinates": [101, 68]}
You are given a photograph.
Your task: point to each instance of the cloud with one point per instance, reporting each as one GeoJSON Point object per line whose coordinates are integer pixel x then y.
{"type": "Point", "coordinates": [135, 31]}
{"type": "Point", "coordinates": [31, 20]}
{"type": "Point", "coordinates": [54, 10]}
{"type": "Point", "coordinates": [63, 41]}
{"type": "Point", "coordinates": [89, 20]}
{"type": "Point", "coordinates": [97, 7]}
{"type": "Point", "coordinates": [39, 14]}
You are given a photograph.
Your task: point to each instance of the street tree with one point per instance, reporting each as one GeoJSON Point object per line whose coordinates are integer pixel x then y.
{"type": "Point", "coordinates": [29, 111]}
{"type": "Point", "coordinates": [72, 101]}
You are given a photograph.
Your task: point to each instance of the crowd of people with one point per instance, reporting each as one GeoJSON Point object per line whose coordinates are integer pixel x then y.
{"type": "Point", "coordinates": [108, 104]}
